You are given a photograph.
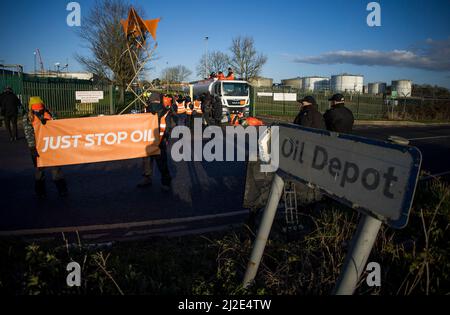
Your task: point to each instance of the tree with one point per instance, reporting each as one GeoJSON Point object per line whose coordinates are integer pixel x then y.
{"type": "Point", "coordinates": [217, 61]}
{"type": "Point", "coordinates": [245, 61]}
{"type": "Point", "coordinates": [156, 82]}
{"type": "Point", "coordinates": [103, 34]}
{"type": "Point", "coordinates": [176, 74]}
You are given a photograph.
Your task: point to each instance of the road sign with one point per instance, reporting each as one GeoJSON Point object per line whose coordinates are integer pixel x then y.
{"type": "Point", "coordinates": [375, 177]}
{"type": "Point", "coordinates": [285, 97]}
{"type": "Point", "coordinates": [394, 95]}
{"type": "Point", "coordinates": [89, 96]}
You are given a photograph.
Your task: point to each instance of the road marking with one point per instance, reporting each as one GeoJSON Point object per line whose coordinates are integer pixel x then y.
{"type": "Point", "coordinates": [154, 231]}
{"type": "Point", "coordinates": [116, 226]}
{"type": "Point", "coordinates": [202, 230]}
{"type": "Point", "coordinates": [94, 236]}
{"type": "Point", "coordinates": [429, 138]}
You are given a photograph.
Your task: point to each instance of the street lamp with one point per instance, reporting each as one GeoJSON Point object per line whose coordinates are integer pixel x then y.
{"type": "Point", "coordinates": [206, 56]}
{"type": "Point", "coordinates": [34, 53]}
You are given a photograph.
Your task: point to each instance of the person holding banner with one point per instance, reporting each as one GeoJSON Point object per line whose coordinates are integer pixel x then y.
{"type": "Point", "coordinates": [156, 106]}
{"type": "Point", "coordinates": [39, 114]}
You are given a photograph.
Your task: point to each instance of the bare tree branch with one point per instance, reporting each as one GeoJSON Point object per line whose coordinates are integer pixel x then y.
{"type": "Point", "coordinates": [176, 74]}
{"type": "Point", "coordinates": [104, 37]}
{"type": "Point", "coordinates": [217, 61]}
{"type": "Point", "coordinates": [245, 61]}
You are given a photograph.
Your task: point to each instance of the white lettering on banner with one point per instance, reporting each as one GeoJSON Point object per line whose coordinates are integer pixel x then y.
{"type": "Point", "coordinates": [99, 139]}
{"type": "Point", "coordinates": [377, 177]}
{"type": "Point", "coordinates": [263, 94]}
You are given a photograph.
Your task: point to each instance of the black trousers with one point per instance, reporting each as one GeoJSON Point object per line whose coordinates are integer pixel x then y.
{"type": "Point", "coordinates": [161, 162]}
{"type": "Point", "coordinates": [11, 125]}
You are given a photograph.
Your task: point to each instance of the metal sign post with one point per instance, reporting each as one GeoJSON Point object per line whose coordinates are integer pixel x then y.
{"type": "Point", "coordinates": [263, 233]}
{"type": "Point", "coordinates": [356, 260]}
{"type": "Point", "coordinates": [374, 177]}
{"type": "Point", "coordinates": [361, 247]}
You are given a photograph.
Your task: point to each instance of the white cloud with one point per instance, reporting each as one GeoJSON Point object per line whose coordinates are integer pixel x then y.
{"type": "Point", "coordinates": [430, 55]}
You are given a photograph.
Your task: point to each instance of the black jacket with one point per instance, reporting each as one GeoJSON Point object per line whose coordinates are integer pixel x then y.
{"type": "Point", "coordinates": [217, 109]}
{"type": "Point", "coordinates": [207, 102]}
{"type": "Point", "coordinates": [339, 119]}
{"type": "Point", "coordinates": [310, 117]}
{"type": "Point", "coordinates": [160, 110]}
{"type": "Point", "coordinates": [9, 104]}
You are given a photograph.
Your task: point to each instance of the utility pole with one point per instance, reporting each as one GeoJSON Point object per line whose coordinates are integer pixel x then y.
{"type": "Point", "coordinates": [206, 57]}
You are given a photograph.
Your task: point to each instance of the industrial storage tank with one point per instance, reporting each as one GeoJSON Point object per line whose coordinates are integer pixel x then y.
{"type": "Point", "coordinates": [403, 87]}
{"type": "Point", "coordinates": [261, 82]}
{"type": "Point", "coordinates": [315, 83]}
{"type": "Point", "coordinates": [295, 83]}
{"type": "Point", "coordinates": [377, 88]}
{"type": "Point", "coordinates": [347, 83]}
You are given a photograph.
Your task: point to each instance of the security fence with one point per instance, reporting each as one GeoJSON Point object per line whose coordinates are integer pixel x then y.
{"type": "Point", "coordinates": [59, 96]}
{"type": "Point", "coordinates": [269, 102]}
{"type": "Point", "coordinates": [265, 103]}
{"type": "Point", "coordinates": [59, 93]}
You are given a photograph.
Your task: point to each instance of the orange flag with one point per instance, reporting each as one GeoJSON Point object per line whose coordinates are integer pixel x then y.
{"type": "Point", "coordinates": [137, 27]}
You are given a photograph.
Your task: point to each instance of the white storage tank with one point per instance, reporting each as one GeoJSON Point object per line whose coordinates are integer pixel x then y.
{"type": "Point", "coordinates": [377, 88]}
{"type": "Point", "coordinates": [261, 82]}
{"type": "Point", "coordinates": [349, 83]}
{"type": "Point", "coordinates": [315, 83]}
{"type": "Point", "coordinates": [295, 83]}
{"type": "Point", "coordinates": [403, 87]}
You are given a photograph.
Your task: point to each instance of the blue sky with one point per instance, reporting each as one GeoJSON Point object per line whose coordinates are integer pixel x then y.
{"type": "Point", "coordinates": [300, 38]}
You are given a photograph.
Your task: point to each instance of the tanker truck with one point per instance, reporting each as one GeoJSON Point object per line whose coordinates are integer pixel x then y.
{"type": "Point", "coordinates": [234, 95]}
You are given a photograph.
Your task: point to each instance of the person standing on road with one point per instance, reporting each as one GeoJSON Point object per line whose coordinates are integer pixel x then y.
{"type": "Point", "coordinates": [309, 116]}
{"type": "Point", "coordinates": [189, 107]}
{"type": "Point", "coordinates": [181, 111]}
{"type": "Point", "coordinates": [156, 107]}
{"type": "Point", "coordinates": [339, 118]}
{"type": "Point", "coordinates": [10, 104]}
{"type": "Point", "coordinates": [207, 108]}
{"type": "Point", "coordinates": [217, 111]}
{"type": "Point", "coordinates": [38, 114]}
{"type": "Point", "coordinates": [197, 111]}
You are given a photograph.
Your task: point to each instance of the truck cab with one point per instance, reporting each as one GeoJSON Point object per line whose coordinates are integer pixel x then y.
{"type": "Point", "coordinates": [234, 95]}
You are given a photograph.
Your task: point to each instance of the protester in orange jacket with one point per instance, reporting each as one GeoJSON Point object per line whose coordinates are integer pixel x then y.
{"type": "Point", "coordinates": [230, 75]}
{"type": "Point", "coordinates": [39, 114]}
{"type": "Point", "coordinates": [221, 76]}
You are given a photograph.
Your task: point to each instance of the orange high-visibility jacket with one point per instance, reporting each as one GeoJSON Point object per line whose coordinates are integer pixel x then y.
{"type": "Point", "coordinates": [198, 107]}
{"type": "Point", "coordinates": [188, 108]}
{"type": "Point", "coordinates": [230, 77]}
{"type": "Point", "coordinates": [181, 108]}
{"type": "Point", "coordinates": [47, 116]}
{"type": "Point", "coordinates": [162, 127]}
{"type": "Point", "coordinates": [167, 101]}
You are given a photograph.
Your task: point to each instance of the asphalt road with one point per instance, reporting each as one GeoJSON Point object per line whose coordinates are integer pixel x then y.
{"type": "Point", "coordinates": [105, 194]}
{"type": "Point", "coordinates": [433, 142]}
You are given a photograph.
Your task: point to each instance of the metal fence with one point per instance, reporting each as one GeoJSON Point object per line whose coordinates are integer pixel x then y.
{"type": "Point", "coordinates": [363, 106]}
{"type": "Point", "coordinates": [59, 94]}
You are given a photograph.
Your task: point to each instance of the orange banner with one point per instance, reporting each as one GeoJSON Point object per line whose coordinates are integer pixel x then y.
{"type": "Point", "coordinates": [96, 139]}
